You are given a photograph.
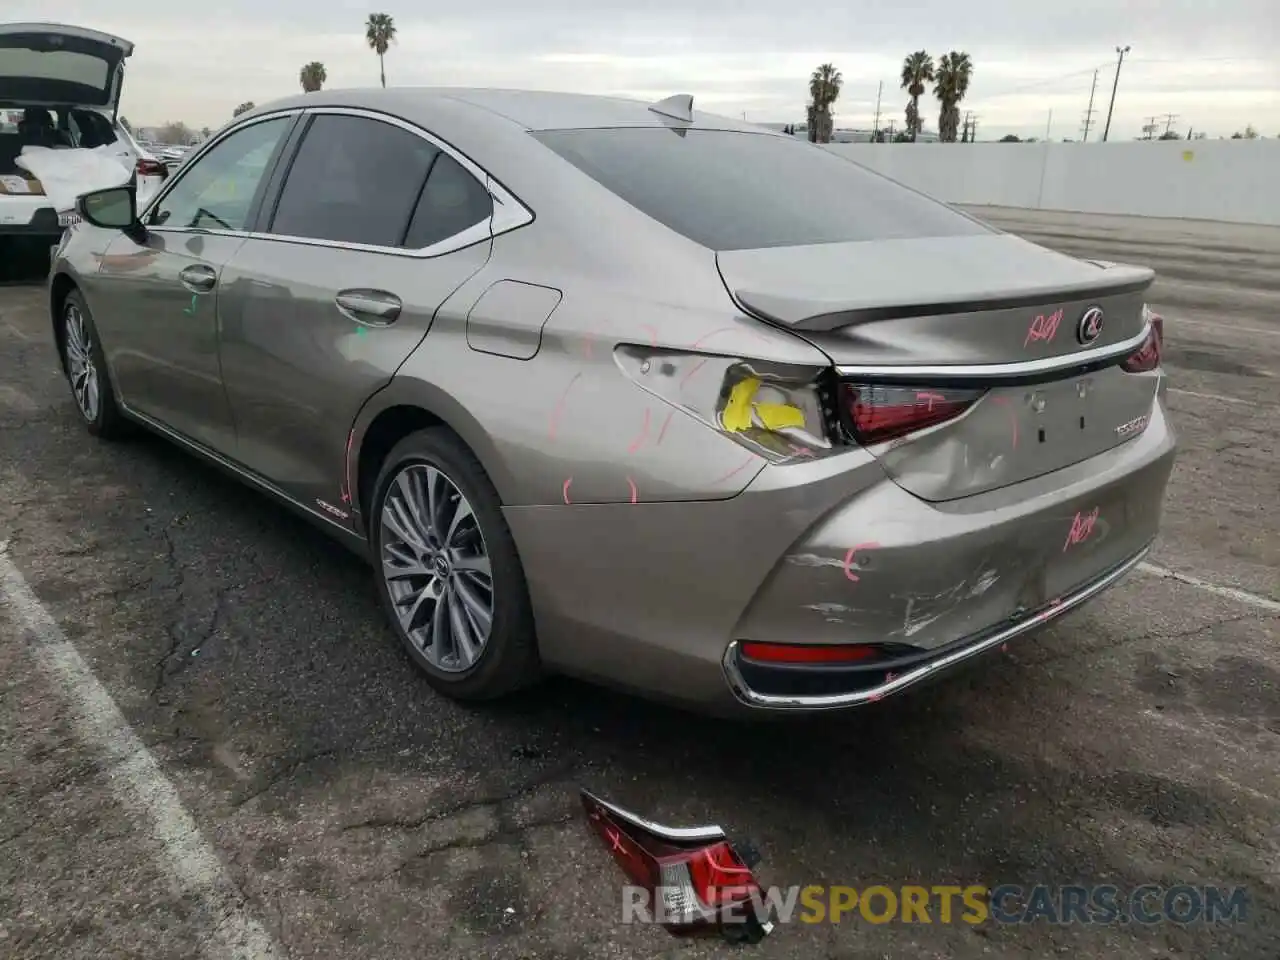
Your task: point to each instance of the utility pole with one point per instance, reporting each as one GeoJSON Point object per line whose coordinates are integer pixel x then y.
{"type": "Point", "coordinates": [1048, 126]}
{"type": "Point", "coordinates": [1115, 84]}
{"type": "Point", "coordinates": [973, 128]}
{"type": "Point", "coordinates": [1088, 114]}
{"type": "Point", "coordinates": [1149, 128]}
{"type": "Point", "coordinates": [875, 133]}
{"type": "Point", "coordinates": [1168, 121]}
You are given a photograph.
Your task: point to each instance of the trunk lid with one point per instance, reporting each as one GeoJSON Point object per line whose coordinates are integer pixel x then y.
{"type": "Point", "coordinates": [49, 64]}
{"type": "Point", "coordinates": [1039, 334]}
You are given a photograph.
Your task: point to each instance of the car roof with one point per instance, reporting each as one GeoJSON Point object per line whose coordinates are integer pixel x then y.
{"type": "Point", "coordinates": [530, 110]}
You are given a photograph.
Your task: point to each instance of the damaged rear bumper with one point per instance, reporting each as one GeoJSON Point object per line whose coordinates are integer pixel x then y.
{"type": "Point", "coordinates": [831, 554]}
{"type": "Point", "coordinates": [831, 688]}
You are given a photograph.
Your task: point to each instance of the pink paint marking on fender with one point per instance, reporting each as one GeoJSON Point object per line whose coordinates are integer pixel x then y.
{"type": "Point", "coordinates": [736, 470]}
{"type": "Point", "coordinates": [653, 334]}
{"type": "Point", "coordinates": [565, 491]}
{"type": "Point", "coordinates": [635, 494]}
{"type": "Point", "coordinates": [642, 436]}
{"type": "Point", "coordinates": [848, 559]}
{"type": "Point", "coordinates": [692, 370]}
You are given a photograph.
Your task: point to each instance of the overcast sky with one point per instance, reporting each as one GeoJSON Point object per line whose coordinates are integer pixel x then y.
{"type": "Point", "coordinates": [1214, 63]}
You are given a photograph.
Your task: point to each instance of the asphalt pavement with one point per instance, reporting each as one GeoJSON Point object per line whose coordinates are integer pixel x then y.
{"type": "Point", "coordinates": [211, 746]}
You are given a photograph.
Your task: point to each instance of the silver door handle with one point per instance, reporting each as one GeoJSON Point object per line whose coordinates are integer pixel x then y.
{"type": "Point", "coordinates": [198, 278]}
{"type": "Point", "coordinates": [369, 306]}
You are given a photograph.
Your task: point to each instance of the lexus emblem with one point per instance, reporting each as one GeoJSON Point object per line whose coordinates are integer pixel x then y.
{"type": "Point", "coordinates": [1090, 326]}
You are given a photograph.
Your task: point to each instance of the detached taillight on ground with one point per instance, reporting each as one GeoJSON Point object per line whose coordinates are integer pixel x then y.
{"type": "Point", "coordinates": [1147, 357]}
{"type": "Point", "coordinates": [691, 879]}
{"type": "Point", "coordinates": [878, 412]}
{"type": "Point", "coordinates": [152, 168]}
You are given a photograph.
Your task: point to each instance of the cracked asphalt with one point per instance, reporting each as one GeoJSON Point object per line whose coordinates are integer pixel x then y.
{"type": "Point", "coordinates": [360, 816]}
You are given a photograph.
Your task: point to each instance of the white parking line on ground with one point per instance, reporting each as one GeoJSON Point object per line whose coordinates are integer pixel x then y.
{"type": "Point", "coordinates": [137, 780]}
{"type": "Point", "coordinates": [1243, 596]}
{"type": "Point", "coordinates": [1212, 396]}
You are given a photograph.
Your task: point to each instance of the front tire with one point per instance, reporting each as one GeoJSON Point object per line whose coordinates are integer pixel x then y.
{"type": "Point", "coordinates": [448, 572]}
{"type": "Point", "coordinates": [85, 365]}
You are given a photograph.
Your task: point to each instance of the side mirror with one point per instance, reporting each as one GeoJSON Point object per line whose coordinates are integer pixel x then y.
{"type": "Point", "coordinates": [115, 208]}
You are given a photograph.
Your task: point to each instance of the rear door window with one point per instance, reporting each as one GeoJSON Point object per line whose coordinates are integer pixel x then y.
{"type": "Point", "coordinates": [452, 201]}
{"type": "Point", "coordinates": [354, 180]}
{"type": "Point", "coordinates": [731, 190]}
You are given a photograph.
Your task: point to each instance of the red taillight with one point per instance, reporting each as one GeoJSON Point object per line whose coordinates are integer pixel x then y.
{"type": "Point", "coordinates": [1148, 355]}
{"type": "Point", "coordinates": [693, 877]}
{"type": "Point", "coordinates": [151, 168]}
{"type": "Point", "coordinates": [877, 412]}
{"type": "Point", "coordinates": [797, 653]}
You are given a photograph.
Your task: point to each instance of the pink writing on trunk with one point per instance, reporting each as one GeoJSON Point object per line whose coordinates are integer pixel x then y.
{"type": "Point", "coordinates": [1043, 328]}
{"type": "Point", "coordinates": [1081, 528]}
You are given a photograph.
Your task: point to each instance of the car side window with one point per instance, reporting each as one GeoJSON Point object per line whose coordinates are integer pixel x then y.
{"type": "Point", "coordinates": [354, 180]}
{"type": "Point", "coordinates": [216, 192]}
{"type": "Point", "coordinates": [452, 201]}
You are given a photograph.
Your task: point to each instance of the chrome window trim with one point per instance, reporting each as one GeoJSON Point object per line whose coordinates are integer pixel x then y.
{"type": "Point", "coordinates": [509, 213]}
{"type": "Point", "coordinates": [1019, 368]}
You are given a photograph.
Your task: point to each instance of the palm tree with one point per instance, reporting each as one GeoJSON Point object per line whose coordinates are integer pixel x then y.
{"type": "Point", "coordinates": [380, 32]}
{"type": "Point", "coordinates": [917, 71]}
{"type": "Point", "coordinates": [312, 76]}
{"type": "Point", "coordinates": [952, 77]}
{"type": "Point", "coordinates": [824, 89]}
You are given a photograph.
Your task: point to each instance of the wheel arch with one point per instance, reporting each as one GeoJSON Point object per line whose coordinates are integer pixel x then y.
{"type": "Point", "coordinates": [405, 406]}
{"type": "Point", "coordinates": [60, 287]}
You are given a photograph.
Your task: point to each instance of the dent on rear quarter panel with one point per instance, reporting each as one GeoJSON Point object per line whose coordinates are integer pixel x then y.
{"type": "Point", "coordinates": [567, 426]}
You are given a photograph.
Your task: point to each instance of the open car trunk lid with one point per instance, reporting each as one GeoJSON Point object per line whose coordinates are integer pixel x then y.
{"type": "Point", "coordinates": [1036, 335]}
{"type": "Point", "coordinates": [49, 64]}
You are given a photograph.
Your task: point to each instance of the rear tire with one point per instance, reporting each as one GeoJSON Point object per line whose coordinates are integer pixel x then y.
{"type": "Point", "coordinates": [448, 572]}
{"type": "Point", "coordinates": [85, 366]}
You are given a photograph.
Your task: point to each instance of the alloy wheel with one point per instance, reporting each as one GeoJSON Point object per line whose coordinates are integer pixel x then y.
{"type": "Point", "coordinates": [436, 568]}
{"type": "Point", "coordinates": [81, 369]}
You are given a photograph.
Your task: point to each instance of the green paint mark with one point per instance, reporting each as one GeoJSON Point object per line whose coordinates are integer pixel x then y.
{"type": "Point", "coordinates": [191, 310]}
{"type": "Point", "coordinates": [361, 331]}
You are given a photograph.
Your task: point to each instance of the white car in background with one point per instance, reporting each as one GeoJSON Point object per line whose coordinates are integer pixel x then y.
{"type": "Point", "coordinates": [75, 75]}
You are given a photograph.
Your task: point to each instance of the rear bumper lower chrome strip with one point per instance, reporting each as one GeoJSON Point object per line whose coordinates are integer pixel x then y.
{"type": "Point", "coordinates": [999, 371]}
{"type": "Point", "coordinates": [913, 676]}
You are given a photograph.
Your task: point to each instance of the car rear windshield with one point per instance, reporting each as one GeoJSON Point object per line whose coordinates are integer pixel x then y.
{"type": "Point", "coordinates": [741, 191]}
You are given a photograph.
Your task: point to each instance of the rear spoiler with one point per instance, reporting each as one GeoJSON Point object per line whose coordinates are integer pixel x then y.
{"type": "Point", "coordinates": [796, 314]}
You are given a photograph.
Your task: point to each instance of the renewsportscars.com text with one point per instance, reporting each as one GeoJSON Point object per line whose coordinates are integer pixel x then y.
{"type": "Point", "coordinates": [947, 904]}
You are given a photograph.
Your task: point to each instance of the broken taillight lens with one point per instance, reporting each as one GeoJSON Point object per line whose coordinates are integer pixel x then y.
{"type": "Point", "coordinates": [876, 412]}
{"type": "Point", "coordinates": [1147, 357]}
{"type": "Point", "coordinates": [693, 878]}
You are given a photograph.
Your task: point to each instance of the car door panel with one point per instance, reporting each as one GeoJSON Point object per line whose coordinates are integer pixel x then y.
{"type": "Point", "coordinates": [160, 337]}
{"type": "Point", "coordinates": [338, 285]}
{"type": "Point", "coordinates": [298, 365]}
{"type": "Point", "coordinates": [156, 299]}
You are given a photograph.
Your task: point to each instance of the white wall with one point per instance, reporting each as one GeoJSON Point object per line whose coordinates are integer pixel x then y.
{"type": "Point", "coordinates": [1237, 181]}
